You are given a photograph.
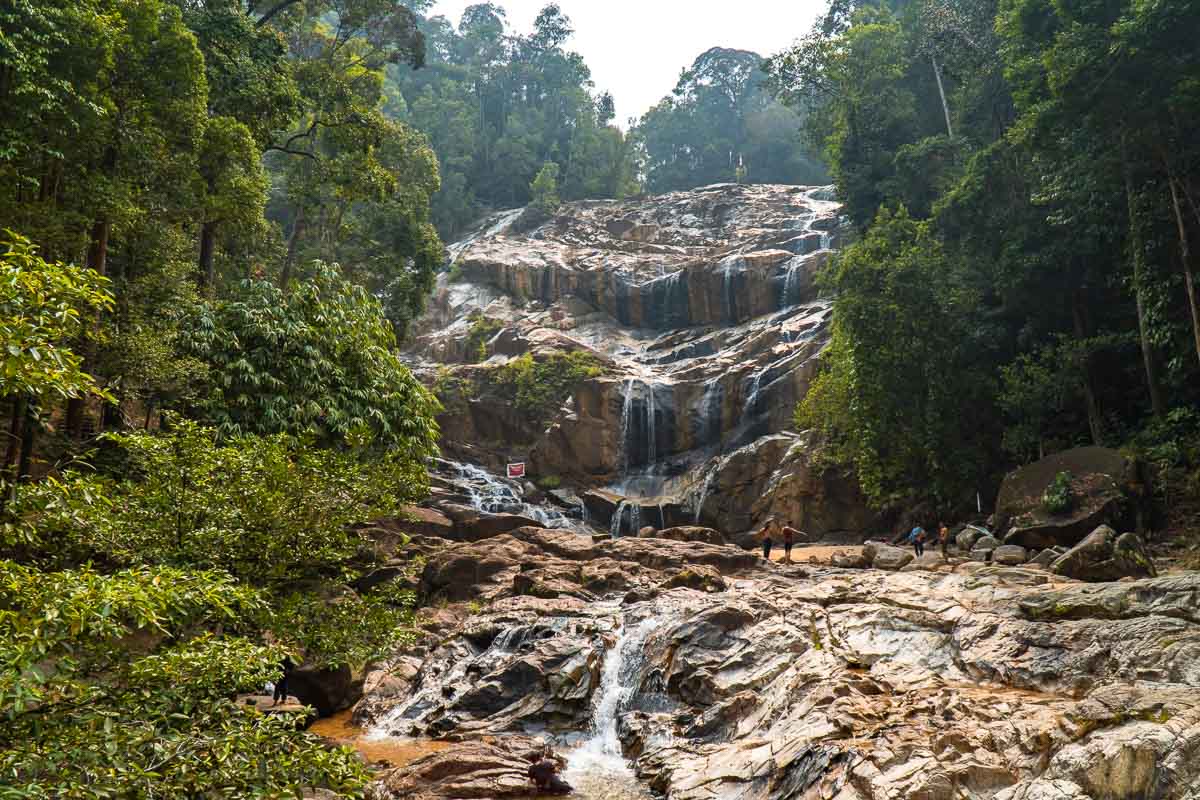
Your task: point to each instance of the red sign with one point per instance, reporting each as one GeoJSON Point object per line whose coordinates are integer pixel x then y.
{"type": "Point", "coordinates": [516, 470]}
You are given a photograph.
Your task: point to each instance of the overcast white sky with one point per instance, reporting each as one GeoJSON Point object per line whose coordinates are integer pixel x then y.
{"type": "Point", "coordinates": [636, 48]}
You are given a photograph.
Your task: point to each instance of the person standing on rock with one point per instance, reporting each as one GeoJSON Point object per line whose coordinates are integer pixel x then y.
{"type": "Point", "coordinates": [918, 539]}
{"type": "Point", "coordinates": [943, 539]}
{"type": "Point", "coordinates": [790, 535]}
{"type": "Point", "coordinates": [281, 686]}
{"type": "Point", "coordinates": [767, 531]}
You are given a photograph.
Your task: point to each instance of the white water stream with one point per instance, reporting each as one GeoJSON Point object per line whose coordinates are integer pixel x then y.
{"type": "Point", "coordinates": [597, 768]}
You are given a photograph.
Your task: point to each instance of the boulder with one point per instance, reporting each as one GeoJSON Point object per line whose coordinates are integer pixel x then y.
{"type": "Point", "coordinates": [965, 541]}
{"type": "Point", "coordinates": [1102, 480]}
{"type": "Point", "coordinates": [1104, 556]}
{"type": "Point", "coordinates": [986, 543]}
{"type": "Point", "coordinates": [647, 532]}
{"type": "Point", "coordinates": [848, 560]}
{"type": "Point", "coordinates": [705, 579]}
{"type": "Point", "coordinates": [327, 689]}
{"type": "Point", "coordinates": [1010, 555]}
{"type": "Point", "coordinates": [890, 558]}
{"type": "Point", "coordinates": [495, 769]}
{"type": "Point", "coordinates": [690, 533]}
{"type": "Point", "coordinates": [1045, 558]}
{"type": "Point", "coordinates": [472, 525]}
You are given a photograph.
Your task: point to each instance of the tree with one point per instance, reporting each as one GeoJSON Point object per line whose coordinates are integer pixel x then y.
{"type": "Point", "coordinates": [44, 308]}
{"type": "Point", "coordinates": [545, 189]}
{"type": "Point", "coordinates": [720, 115]}
{"type": "Point", "coordinates": [318, 361]}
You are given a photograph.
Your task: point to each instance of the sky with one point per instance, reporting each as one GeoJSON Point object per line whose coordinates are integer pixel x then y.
{"type": "Point", "coordinates": [637, 48]}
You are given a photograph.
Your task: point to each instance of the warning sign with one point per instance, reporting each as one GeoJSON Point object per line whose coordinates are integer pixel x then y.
{"type": "Point", "coordinates": [516, 470]}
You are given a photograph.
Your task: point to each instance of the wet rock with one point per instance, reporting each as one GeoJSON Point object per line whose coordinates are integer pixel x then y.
{"type": "Point", "coordinates": [1045, 558]}
{"type": "Point", "coordinates": [1104, 556]}
{"type": "Point", "coordinates": [496, 769]}
{"type": "Point", "coordinates": [471, 525]}
{"type": "Point", "coordinates": [385, 684]}
{"type": "Point", "coordinates": [1102, 479]}
{"type": "Point", "coordinates": [1010, 555]}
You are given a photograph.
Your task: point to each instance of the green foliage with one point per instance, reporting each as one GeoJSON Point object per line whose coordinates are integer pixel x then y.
{"type": "Point", "coordinates": [721, 124]}
{"type": "Point", "coordinates": [496, 106]}
{"type": "Point", "coordinates": [904, 395]}
{"type": "Point", "coordinates": [266, 510]}
{"type": "Point", "coordinates": [110, 688]}
{"type": "Point", "coordinates": [482, 329]}
{"type": "Point", "coordinates": [349, 628]}
{"type": "Point", "coordinates": [44, 308]}
{"type": "Point", "coordinates": [1059, 498]}
{"type": "Point", "coordinates": [539, 386]}
{"type": "Point", "coordinates": [549, 482]}
{"type": "Point", "coordinates": [544, 189]}
{"type": "Point", "coordinates": [1043, 147]}
{"type": "Point", "coordinates": [318, 361]}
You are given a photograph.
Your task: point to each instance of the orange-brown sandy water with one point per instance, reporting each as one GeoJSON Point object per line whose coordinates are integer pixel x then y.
{"type": "Point", "coordinates": [397, 751]}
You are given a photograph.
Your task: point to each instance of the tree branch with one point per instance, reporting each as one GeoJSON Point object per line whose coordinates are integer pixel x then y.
{"type": "Point", "coordinates": [280, 6]}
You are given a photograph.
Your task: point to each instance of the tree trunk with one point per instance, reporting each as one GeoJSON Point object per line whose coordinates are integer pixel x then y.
{"type": "Point", "coordinates": [1079, 314]}
{"type": "Point", "coordinates": [1138, 253]}
{"type": "Point", "coordinates": [1186, 255]}
{"type": "Point", "coordinates": [27, 433]}
{"type": "Point", "coordinates": [937, 73]}
{"type": "Point", "coordinates": [293, 244]}
{"type": "Point", "coordinates": [13, 448]}
{"type": "Point", "coordinates": [208, 239]}
{"type": "Point", "coordinates": [97, 259]}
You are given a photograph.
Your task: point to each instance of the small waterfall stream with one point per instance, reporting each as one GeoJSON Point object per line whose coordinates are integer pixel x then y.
{"type": "Point", "coordinates": [597, 768]}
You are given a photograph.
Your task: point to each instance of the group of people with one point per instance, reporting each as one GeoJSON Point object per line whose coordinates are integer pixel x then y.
{"type": "Point", "coordinates": [917, 537]}
{"type": "Point", "coordinates": [775, 529]}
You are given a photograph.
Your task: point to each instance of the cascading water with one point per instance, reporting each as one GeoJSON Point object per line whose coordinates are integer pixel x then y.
{"type": "Point", "coordinates": [597, 767]}
{"type": "Point", "coordinates": [751, 406]}
{"type": "Point", "coordinates": [626, 413]}
{"type": "Point", "coordinates": [712, 474]}
{"type": "Point", "coordinates": [492, 495]}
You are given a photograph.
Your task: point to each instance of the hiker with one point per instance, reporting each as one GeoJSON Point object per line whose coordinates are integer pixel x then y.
{"type": "Point", "coordinates": [544, 775]}
{"type": "Point", "coordinates": [789, 538]}
{"type": "Point", "coordinates": [917, 537]}
{"type": "Point", "coordinates": [766, 538]}
{"type": "Point", "coordinates": [281, 688]}
{"type": "Point", "coordinates": [943, 539]}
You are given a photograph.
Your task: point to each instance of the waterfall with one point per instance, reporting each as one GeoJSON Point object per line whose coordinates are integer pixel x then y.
{"type": "Point", "coordinates": [730, 300]}
{"type": "Point", "coordinates": [618, 682]}
{"type": "Point", "coordinates": [791, 283]}
{"type": "Point", "coordinates": [626, 410]}
{"type": "Point", "coordinates": [492, 495]}
{"type": "Point", "coordinates": [704, 491]}
{"type": "Point", "coordinates": [826, 240]}
{"type": "Point", "coordinates": [652, 440]}
{"type": "Point", "coordinates": [710, 413]}
{"type": "Point", "coordinates": [748, 410]}
{"type": "Point", "coordinates": [617, 527]}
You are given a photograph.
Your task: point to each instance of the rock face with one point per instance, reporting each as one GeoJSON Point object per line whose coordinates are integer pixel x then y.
{"type": "Point", "coordinates": [1104, 556]}
{"type": "Point", "coordinates": [475, 770]}
{"type": "Point", "coordinates": [700, 310]}
{"type": "Point", "coordinates": [1104, 484]}
{"type": "Point", "coordinates": [823, 682]}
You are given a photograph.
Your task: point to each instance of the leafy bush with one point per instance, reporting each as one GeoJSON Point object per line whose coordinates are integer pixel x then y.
{"type": "Point", "coordinates": [319, 361]}
{"type": "Point", "coordinates": [1059, 497]}
{"type": "Point", "coordinates": [112, 688]}
{"type": "Point", "coordinates": [482, 329]}
{"type": "Point", "coordinates": [549, 482]}
{"type": "Point", "coordinates": [544, 189]}
{"type": "Point", "coordinates": [264, 509]}
{"type": "Point", "coordinates": [43, 307]}
{"type": "Point", "coordinates": [539, 387]}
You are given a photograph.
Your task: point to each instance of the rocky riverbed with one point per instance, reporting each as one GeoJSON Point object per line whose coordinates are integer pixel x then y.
{"type": "Point", "coordinates": [719, 676]}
